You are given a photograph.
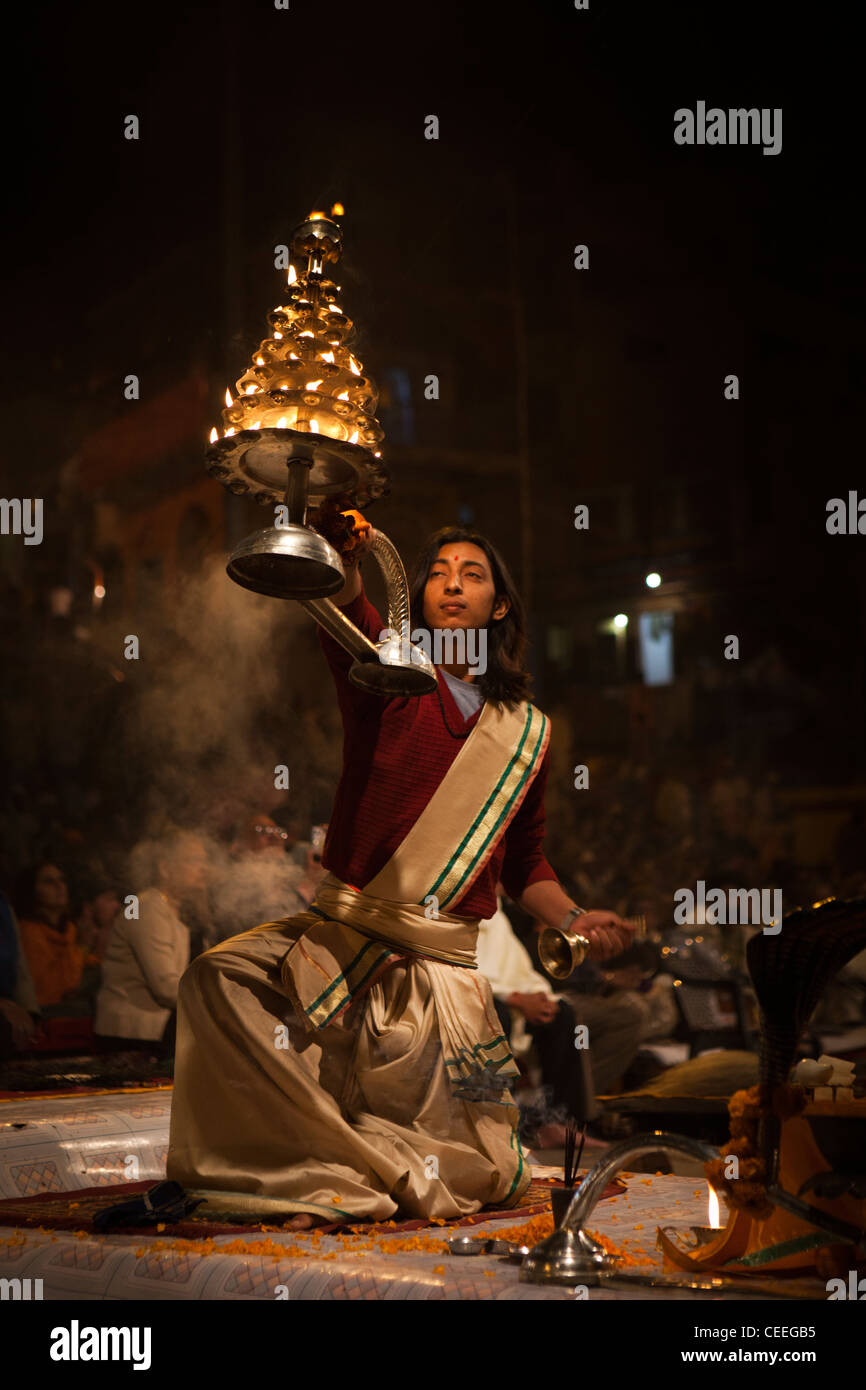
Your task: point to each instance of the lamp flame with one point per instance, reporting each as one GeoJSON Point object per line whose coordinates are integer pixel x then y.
{"type": "Point", "coordinates": [229, 400]}
{"type": "Point", "coordinates": [293, 275]}
{"type": "Point", "coordinates": [213, 436]}
{"type": "Point", "coordinates": [713, 1210]}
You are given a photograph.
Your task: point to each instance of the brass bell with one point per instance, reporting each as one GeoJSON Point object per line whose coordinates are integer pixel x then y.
{"type": "Point", "coordinates": [561, 952]}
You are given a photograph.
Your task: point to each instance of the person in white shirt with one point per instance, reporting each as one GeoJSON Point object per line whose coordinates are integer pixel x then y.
{"type": "Point", "coordinates": [530, 1012]}
{"type": "Point", "coordinates": [147, 954]}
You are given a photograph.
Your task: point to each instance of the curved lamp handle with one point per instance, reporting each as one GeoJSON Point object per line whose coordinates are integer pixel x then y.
{"type": "Point", "coordinates": [383, 667]}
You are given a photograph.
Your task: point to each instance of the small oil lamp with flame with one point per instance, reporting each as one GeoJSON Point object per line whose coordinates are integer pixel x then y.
{"type": "Point", "coordinates": [300, 431]}
{"type": "Point", "coordinates": [710, 1231]}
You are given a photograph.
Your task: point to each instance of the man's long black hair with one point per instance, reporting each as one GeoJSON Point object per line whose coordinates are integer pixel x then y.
{"type": "Point", "coordinates": [506, 680]}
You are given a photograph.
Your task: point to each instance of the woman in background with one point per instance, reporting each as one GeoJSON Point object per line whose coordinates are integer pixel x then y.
{"type": "Point", "coordinates": [49, 937]}
{"type": "Point", "coordinates": [146, 955]}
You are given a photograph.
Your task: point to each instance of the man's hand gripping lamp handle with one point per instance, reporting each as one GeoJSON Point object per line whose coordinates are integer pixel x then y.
{"type": "Point", "coordinates": [381, 667]}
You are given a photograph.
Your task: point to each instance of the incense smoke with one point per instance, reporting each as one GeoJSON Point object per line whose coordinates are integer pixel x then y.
{"type": "Point", "coordinates": [228, 687]}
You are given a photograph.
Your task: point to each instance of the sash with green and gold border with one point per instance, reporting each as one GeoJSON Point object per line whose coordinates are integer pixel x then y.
{"type": "Point", "coordinates": [469, 812]}
{"type": "Point", "coordinates": [363, 932]}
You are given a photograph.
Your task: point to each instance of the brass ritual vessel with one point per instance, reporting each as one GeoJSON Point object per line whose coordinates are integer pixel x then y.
{"type": "Point", "coordinates": [300, 435]}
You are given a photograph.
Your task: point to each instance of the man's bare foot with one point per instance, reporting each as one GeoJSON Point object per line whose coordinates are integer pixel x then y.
{"type": "Point", "coordinates": [305, 1219]}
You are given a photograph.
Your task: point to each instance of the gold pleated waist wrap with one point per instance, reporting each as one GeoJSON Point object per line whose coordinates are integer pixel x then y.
{"type": "Point", "coordinates": [402, 925]}
{"type": "Point", "coordinates": [358, 937]}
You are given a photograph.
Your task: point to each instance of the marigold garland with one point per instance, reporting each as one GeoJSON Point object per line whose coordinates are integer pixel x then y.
{"type": "Point", "coordinates": [748, 1190]}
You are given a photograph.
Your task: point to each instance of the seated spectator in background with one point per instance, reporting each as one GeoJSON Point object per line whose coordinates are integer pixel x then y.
{"type": "Point", "coordinates": [48, 935]}
{"type": "Point", "coordinates": [531, 1013]}
{"type": "Point", "coordinates": [19, 1010]}
{"type": "Point", "coordinates": [96, 909]}
{"type": "Point", "coordinates": [651, 992]}
{"type": "Point", "coordinates": [146, 956]}
{"type": "Point", "coordinates": [842, 1005]}
{"type": "Point", "coordinates": [258, 882]}
{"type": "Point", "coordinates": [258, 835]}
{"type": "Point", "coordinates": [616, 1019]}
{"type": "Point", "coordinates": [313, 870]}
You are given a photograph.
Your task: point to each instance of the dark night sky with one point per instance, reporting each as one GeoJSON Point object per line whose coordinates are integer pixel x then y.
{"type": "Point", "coordinates": [693, 249]}
{"type": "Point", "coordinates": [330, 101]}
{"type": "Point", "coordinates": [575, 108]}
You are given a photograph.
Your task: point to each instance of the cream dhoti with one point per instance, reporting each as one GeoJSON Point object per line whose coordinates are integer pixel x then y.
{"type": "Point", "coordinates": [349, 1061]}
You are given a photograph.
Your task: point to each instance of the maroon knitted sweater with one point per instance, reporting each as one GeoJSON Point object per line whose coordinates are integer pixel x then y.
{"type": "Point", "coordinates": [395, 754]}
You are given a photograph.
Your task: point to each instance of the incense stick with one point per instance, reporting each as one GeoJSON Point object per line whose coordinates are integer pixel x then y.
{"type": "Point", "coordinates": [571, 1162]}
{"type": "Point", "coordinates": [580, 1150]}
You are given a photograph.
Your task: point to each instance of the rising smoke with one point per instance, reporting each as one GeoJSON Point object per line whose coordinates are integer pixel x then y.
{"type": "Point", "coordinates": [228, 687]}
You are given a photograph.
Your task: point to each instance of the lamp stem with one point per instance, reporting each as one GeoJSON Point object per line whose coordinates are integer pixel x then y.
{"type": "Point", "coordinates": [296, 491]}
